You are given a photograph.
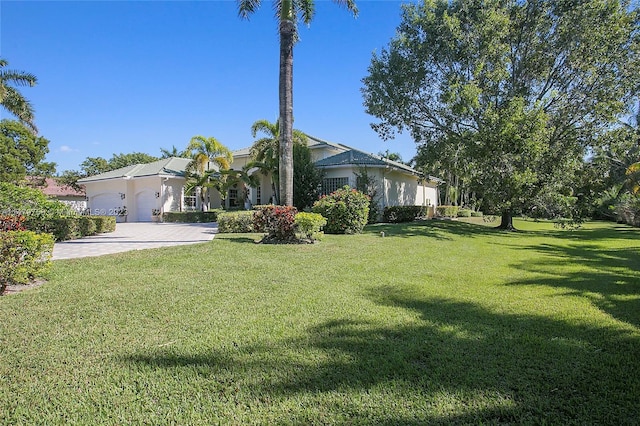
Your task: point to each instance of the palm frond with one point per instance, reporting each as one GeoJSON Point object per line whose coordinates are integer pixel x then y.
{"type": "Point", "coordinates": [247, 7]}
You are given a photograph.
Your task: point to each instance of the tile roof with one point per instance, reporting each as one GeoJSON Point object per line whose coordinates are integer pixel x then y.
{"type": "Point", "coordinates": [172, 166]}
{"type": "Point", "coordinates": [52, 188]}
{"type": "Point", "coordinates": [359, 158]}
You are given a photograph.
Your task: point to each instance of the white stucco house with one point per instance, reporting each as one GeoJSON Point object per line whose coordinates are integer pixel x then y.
{"type": "Point", "coordinates": [159, 186]}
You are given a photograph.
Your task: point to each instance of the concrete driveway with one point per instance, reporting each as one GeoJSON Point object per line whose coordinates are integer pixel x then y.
{"type": "Point", "coordinates": [135, 236]}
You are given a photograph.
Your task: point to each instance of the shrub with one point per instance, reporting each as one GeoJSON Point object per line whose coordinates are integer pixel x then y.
{"type": "Point", "coordinates": [24, 255]}
{"type": "Point", "coordinates": [12, 223]}
{"type": "Point", "coordinates": [447, 211]}
{"type": "Point", "coordinates": [192, 217]}
{"type": "Point", "coordinates": [310, 224]}
{"type": "Point", "coordinates": [397, 214]}
{"type": "Point", "coordinates": [278, 222]}
{"type": "Point", "coordinates": [104, 223]}
{"type": "Point", "coordinates": [346, 211]}
{"type": "Point", "coordinates": [464, 213]}
{"type": "Point", "coordinates": [235, 222]}
{"type": "Point", "coordinates": [476, 214]}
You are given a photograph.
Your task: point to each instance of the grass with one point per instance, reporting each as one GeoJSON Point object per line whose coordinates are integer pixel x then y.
{"type": "Point", "coordinates": [436, 323]}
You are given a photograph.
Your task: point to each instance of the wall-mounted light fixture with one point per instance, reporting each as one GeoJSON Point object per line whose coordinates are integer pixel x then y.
{"type": "Point", "coordinates": [157, 195]}
{"type": "Point", "coordinates": [123, 196]}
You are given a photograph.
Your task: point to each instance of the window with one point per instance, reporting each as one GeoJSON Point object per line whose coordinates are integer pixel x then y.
{"type": "Point", "coordinates": [258, 195]}
{"type": "Point", "coordinates": [233, 198]}
{"type": "Point", "coordinates": [189, 203]}
{"type": "Point", "coordinates": [329, 185]}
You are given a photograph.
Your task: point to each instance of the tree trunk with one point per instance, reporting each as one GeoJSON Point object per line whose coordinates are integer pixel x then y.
{"type": "Point", "coordinates": [287, 32]}
{"type": "Point", "coordinates": [507, 221]}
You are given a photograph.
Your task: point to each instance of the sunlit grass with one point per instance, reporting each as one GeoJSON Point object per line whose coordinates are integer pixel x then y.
{"type": "Point", "coordinates": [437, 322]}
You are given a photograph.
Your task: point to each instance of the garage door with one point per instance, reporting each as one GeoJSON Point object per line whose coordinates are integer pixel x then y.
{"type": "Point", "coordinates": [145, 203]}
{"type": "Point", "coordinates": [106, 204]}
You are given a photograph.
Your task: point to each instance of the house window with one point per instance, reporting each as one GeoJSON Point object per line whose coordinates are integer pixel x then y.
{"type": "Point", "coordinates": [258, 195]}
{"type": "Point", "coordinates": [330, 185]}
{"type": "Point", "coordinates": [189, 203]}
{"type": "Point", "coordinates": [233, 198]}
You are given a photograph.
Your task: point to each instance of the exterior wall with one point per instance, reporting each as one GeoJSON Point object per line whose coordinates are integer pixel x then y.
{"type": "Point", "coordinates": [171, 195]}
{"type": "Point", "coordinates": [99, 192]}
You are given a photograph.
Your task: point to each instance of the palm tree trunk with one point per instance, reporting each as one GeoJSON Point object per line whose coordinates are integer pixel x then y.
{"type": "Point", "coordinates": [287, 32]}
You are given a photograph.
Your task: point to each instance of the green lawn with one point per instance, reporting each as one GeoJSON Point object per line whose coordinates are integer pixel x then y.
{"type": "Point", "coordinates": [437, 322]}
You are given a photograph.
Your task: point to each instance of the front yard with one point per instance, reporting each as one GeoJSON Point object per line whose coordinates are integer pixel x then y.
{"type": "Point", "coordinates": [437, 322]}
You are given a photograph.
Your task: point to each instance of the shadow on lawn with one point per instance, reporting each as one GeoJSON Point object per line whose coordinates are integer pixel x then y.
{"type": "Point", "coordinates": [608, 277]}
{"type": "Point", "coordinates": [439, 229]}
{"type": "Point", "coordinates": [460, 363]}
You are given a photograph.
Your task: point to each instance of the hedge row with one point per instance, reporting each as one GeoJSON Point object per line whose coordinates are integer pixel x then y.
{"type": "Point", "coordinates": [71, 227]}
{"type": "Point", "coordinates": [397, 214]}
{"type": "Point", "coordinates": [192, 217]}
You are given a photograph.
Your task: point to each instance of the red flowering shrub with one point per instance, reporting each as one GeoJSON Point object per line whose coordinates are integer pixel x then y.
{"type": "Point", "coordinates": [12, 223]}
{"type": "Point", "coordinates": [277, 221]}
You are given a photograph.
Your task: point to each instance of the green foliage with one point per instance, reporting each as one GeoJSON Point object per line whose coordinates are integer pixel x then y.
{"type": "Point", "coordinates": [307, 178]}
{"type": "Point", "coordinates": [627, 209]}
{"type": "Point", "coordinates": [71, 227]}
{"type": "Point", "coordinates": [476, 213]}
{"type": "Point", "coordinates": [11, 99]}
{"type": "Point", "coordinates": [447, 211]}
{"type": "Point", "coordinates": [505, 97]}
{"type": "Point", "coordinates": [192, 217]}
{"type": "Point", "coordinates": [104, 223]}
{"type": "Point", "coordinates": [367, 184]}
{"type": "Point", "coordinates": [346, 211]}
{"type": "Point", "coordinates": [278, 222]}
{"type": "Point", "coordinates": [30, 202]}
{"type": "Point", "coordinates": [235, 222]}
{"type": "Point", "coordinates": [22, 153]}
{"type": "Point", "coordinates": [310, 224]}
{"type": "Point", "coordinates": [398, 214]}
{"type": "Point", "coordinates": [118, 161]}
{"type": "Point", "coordinates": [24, 255]}
{"type": "Point", "coordinates": [464, 212]}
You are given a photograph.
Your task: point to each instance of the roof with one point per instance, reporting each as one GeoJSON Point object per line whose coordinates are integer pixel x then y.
{"type": "Point", "coordinates": [312, 142]}
{"type": "Point", "coordinates": [52, 188]}
{"type": "Point", "coordinates": [172, 166]}
{"type": "Point", "coordinates": [359, 158]}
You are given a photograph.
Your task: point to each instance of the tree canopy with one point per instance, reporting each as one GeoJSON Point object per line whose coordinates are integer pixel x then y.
{"type": "Point", "coordinates": [22, 153]}
{"type": "Point", "coordinates": [518, 90]}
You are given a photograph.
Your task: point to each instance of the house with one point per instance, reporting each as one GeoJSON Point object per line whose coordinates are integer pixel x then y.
{"type": "Point", "coordinates": [50, 187]}
{"type": "Point", "coordinates": [143, 188]}
{"type": "Point", "coordinates": [396, 184]}
{"type": "Point", "coordinates": [140, 190]}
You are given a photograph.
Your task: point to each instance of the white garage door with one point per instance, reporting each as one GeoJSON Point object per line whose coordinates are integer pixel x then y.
{"type": "Point", "coordinates": [145, 203]}
{"type": "Point", "coordinates": [106, 204]}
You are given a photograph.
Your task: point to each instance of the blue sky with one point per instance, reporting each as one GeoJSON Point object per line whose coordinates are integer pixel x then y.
{"type": "Point", "coordinates": [137, 76]}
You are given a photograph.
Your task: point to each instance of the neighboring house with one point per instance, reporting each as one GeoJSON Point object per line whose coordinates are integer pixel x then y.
{"type": "Point", "coordinates": [68, 195]}
{"type": "Point", "coordinates": [143, 188]}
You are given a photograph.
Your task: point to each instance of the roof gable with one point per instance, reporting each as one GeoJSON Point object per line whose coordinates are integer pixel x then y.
{"type": "Point", "coordinates": [354, 157]}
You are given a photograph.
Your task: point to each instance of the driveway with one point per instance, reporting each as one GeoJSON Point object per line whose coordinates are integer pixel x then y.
{"type": "Point", "coordinates": [135, 236]}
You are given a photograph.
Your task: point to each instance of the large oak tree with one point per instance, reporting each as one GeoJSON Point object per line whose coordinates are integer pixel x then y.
{"type": "Point", "coordinates": [521, 88]}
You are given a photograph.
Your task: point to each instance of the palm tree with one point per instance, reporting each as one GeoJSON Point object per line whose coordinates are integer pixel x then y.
{"type": "Point", "coordinates": [11, 99]}
{"type": "Point", "coordinates": [265, 151]}
{"type": "Point", "coordinates": [205, 153]}
{"type": "Point", "coordinates": [289, 12]}
{"type": "Point", "coordinates": [173, 152]}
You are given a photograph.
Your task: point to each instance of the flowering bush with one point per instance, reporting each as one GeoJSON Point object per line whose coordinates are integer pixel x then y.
{"type": "Point", "coordinates": [310, 224]}
{"type": "Point", "coordinates": [346, 211]}
{"type": "Point", "coordinates": [23, 256]}
{"type": "Point", "coordinates": [277, 221]}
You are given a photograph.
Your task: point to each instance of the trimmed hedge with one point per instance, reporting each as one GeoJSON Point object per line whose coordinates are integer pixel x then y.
{"type": "Point", "coordinates": [476, 214]}
{"type": "Point", "coordinates": [447, 211]}
{"type": "Point", "coordinates": [464, 213]}
{"type": "Point", "coordinates": [24, 255]}
{"type": "Point", "coordinates": [235, 222]}
{"type": "Point", "coordinates": [192, 217]}
{"type": "Point", "coordinates": [397, 214]}
{"type": "Point", "coordinates": [71, 227]}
